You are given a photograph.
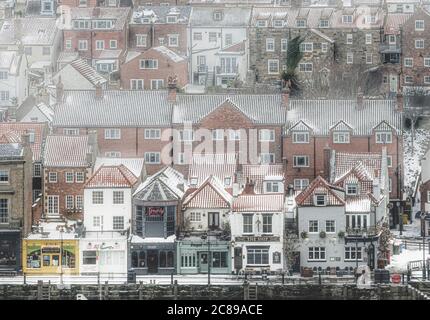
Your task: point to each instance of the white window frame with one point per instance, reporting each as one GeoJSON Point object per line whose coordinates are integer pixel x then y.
{"type": "Point", "coordinates": [267, 158]}
{"type": "Point", "coordinates": [388, 135]}
{"type": "Point", "coordinates": [141, 40]}
{"type": "Point", "coordinates": [266, 135]}
{"type": "Point", "coordinates": [351, 189]}
{"type": "Point", "coordinates": [270, 45]}
{"type": "Point", "coordinates": [408, 62]}
{"type": "Point", "coordinates": [297, 157]}
{"type": "Point", "coordinates": [79, 177]}
{"type": "Point", "coordinates": [69, 201]}
{"type": "Point", "coordinates": [152, 134]}
{"type": "Point", "coordinates": [53, 204]}
{"type": "Point", "coordinates": [349, 58]}
{"type": "Point", "coordinates": [311, 226]}
{"type": "Point", "coordinates": [51, 176]}
{"type": "Point", "coordinates": [218, 134]}
{"type": "Point", "coordinates": [409, 79]}
{"type": "Point", "coordinates": [349, 38]}
{"type": "Point", "coordinates": [300, 184]}
{"type": "Point", "coordinates": [284, 45]}
{"type": "Point", "coordinates": [83, 45]}
{"type": "Point", "coordinates": [318, 198]}
{"type": "Point", "coordinates": [97, 197]}
{"type": "Point", "coordinates": [419, 41]}
{"type": "Point", "coordinates": [115, 42]}
{"type": "Point", "coordinates": [307, 47]}
{"type": "Point", "coordinates": [71, 132]}
{"type": "Point", "coordinates": [369, 38]}
{"type": "Point", "coordinates": [154, 64]}
{"type": "Point", "coordinates": [369, 58]}
{"type": "Point", "coordinates": [357, 251]}
{"type": "Point", "coordinates": [137, 84]}
{"type": "Point", "coordinates": [118, 197]}
{"type": "Point", "coordinates": [150, 154]}
{"type": "Point", "coordinates": [195, 216]}
{"type": "Point", "coordinates": [419, 28]}
{"type": "Point", "coordinates": [324, 47]}
{"type": "Point", "coordinates": [234, 135]}
{"type": "Point", "coordinates": [304, 67]}
{"type": "Point", "coordinates": [69, 175]}
{"type": "Point", "coordinates": [300, 137]}
{"type": "Point", "coordinates": [170, 37]}
{"type": "Point", "coordinates": [427, 62]}
{"type": "Point", "coordinates": [112, 134]}
{"type": "Point", "coordinates": [100, 44]}
{"type": "Point", "coordinates": [157, 82]}
{"type": "Point", "coordinates": [337, 137]}
{"type": "Point", "coordinates": [269, 69]}
{"type": "Point", "coordinates": [334, 226]}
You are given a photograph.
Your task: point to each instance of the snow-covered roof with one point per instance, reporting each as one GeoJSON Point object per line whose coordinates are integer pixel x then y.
{"type": "Point", "coordinates": [112, 177]}
{"type": "Point", "coordinates": [10, 61]}
{"type": "Point", "coordinates": [136, 239]}
{"type": "Point", "coordinates": [259, 203]}
{"type": "Point", "coordinates": [87, 72]}
{"type": "Point", "coordinates": [135, 165]}
{"type": "Point", "coordinates": [66, 151]}
{"type": "Point", "coordinates": [52, 231]}
{"type": "Point", "coordinates": [211, 194]}
{"type": "Point", "coordinates": [169, 54]}
{"type": "Point", "coordinates": [260, 173]}
{"type": "Point", "coordinates": [29, 31]}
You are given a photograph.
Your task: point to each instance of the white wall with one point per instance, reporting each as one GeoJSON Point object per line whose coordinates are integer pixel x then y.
{"type": "Point", "coordinates": [203, 224]}
{"type": "Point", "coordinates": [16, 84]}
{"type": "Point", "coordinates": [107, 210]}
{"type": "Point", "coordinates": [72, 79]}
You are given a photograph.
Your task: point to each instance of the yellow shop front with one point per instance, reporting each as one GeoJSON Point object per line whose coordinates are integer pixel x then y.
{"type": "Point", "coordinates": [50, 256]}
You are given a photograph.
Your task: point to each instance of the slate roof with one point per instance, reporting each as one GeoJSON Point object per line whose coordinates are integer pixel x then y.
{"type": "Point", "coordinates": [118, 108]}
{"type": "Point", "coordinates": [393, 22]}
{"type": "Point", "coordinates": [321, 115]}
{"type": "Point", "coordinates": [66, 151]}
{"type": "Point", "coordinates": [260, 109]}
{"type": "Point", "coordinates": [34, 31]}
{"type": "Point", "coordinates": [11, 151]}
{"type": "Point", "coordinates": [112, 177]}
{"type": "Point", "coordinates": [160, 13]}
{"type": "Point", "coordinates": [232, 17]}
{"type": "Point", "coordinates": [120, 15]}
{"type": "Point", "coordinates": [259, 203]}
{"type": "Point", "coordinates": [87, 71]}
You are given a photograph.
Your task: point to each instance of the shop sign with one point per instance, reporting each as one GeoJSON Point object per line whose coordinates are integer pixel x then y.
{"type": "Point", "coordinates": [50, 250]}
{"type": "Point", "coordinates": [154, 211]}
{"type": "Point", "coordinates": [257, 239]}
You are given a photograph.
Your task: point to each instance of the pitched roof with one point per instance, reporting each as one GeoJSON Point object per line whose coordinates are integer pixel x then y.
{"type": "Point", "coordinates": [173, 56]}
{"type": "Point", "coordinates": [88, 72]}
{"type": "Point", "coordinates": [159, 14]}
{"type": "Point", "coordinates": [232, 17]}
{"type": "Point", "coordinates": [135, 165]}
{"type": "Point", "coordinates": [120, 15]}
{"type": "Point", "coordinates": [66, 151]}
{"type": "Point", "coordinates": [30, 31]}
{"type": "Point", "coordinates": [393, 22]}
{"type": "Point", "coordinates": [235, 48]}
{"type": "Point", "coordinates": [259, 203]}
{"type": "Point", "coordinates": [321, 115]}
{"type": "Point", "coordinates": [112, 177]}
{"type": "Point", "coordinates": [210, 194]}
{"type": "Point", "coordinates": [260, 109]}
{"type": "Point", "coordinates": [11, 151]}
{"type": "Point", "coordinates": [362, 164]}
{"type": "Point", "coordinates": [335, 195]}
{"type": "Point", "coordinates": [18, 129]}
{"type": "Point", "coordinates": [260, 173]}
{"type": "Point", "coordinates": [118, 108]}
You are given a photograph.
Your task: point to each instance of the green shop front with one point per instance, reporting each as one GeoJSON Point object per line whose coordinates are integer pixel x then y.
{"type": "Point", "coordinates": [200, 256]}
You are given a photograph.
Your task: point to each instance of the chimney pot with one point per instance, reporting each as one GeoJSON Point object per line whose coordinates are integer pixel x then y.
{"type": "Point", "coordinates": [172, 87]}
{"type": "Point", "coordinates": [399, 101]}
{"type": "Point", "coordinates": [360, 98]}
{"type": "Point", "coordinates": [98, 91]}
{"type": "Point", "coordinates": [59, 90]}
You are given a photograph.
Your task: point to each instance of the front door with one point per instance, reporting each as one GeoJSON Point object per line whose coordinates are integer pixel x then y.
{"type": "Point", "coordinates": [393, 82]}
{"type": "Point", "coordinates": [371, 256]}
{"type": "Point", "coordinates": [203, 262]}
{"type": "Point", "coordinates": [296, 263]}
{"type": "Point", "coordinates": [213, 222]}
{"type": "Point", "coordinates": [152, 261]}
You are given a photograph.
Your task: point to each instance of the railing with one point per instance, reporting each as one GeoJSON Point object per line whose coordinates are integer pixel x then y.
{"type": "Point", "coordinates": [362, 232]}
{"type": "Point", "coordinates": [222, 70]}
{"type": "Point", "coordinates": [390, 48]}
{"type": "Point", "coordinates": [202, 68]}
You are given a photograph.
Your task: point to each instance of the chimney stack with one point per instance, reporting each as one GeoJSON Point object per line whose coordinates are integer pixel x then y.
{"type": "Point", "coordinates": [99, 91]}
{"type": "Point", "coordinates": [360, 98]}
{"type": "Point", "coordinates": [327, 155]}
{"type": "Point", "coordinates": [59, 91]}
{"type": "Point", "coordinates": [249, 187]}
{"type": "Point", "coordinates": [399, 101]}
{"type": "Point", "coordinates": [172, 87]}
{"type": "Point", "coordinates": [286, 93]}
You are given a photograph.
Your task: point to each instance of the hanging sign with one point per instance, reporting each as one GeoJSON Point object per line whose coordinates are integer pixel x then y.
{"type": "Point", "coordinates": [154, 211]}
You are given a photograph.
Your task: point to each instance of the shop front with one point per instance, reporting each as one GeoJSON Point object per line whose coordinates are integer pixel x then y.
{"type": "Point", "coordinates": [148, 257]}
{"type": "Point", "coordinates": [195, 254]}
{"type": "Point", "coordinates": [10, 250]}
{"type": "Point", "coordinates": [50, 256]}
{"type": "Point", "coordinates": [104, 256]}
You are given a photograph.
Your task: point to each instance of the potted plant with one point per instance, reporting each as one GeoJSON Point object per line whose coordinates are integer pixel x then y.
{"type": "Point", "coordinates": [341, 234]}
{"type": "Point", "coordinates": [304, 234]}
{"type": "Point", "coordinates": [323, 234]}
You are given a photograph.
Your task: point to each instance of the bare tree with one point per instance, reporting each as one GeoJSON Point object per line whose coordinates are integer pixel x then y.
{"type": "Point", "coordinates": [291, 244]}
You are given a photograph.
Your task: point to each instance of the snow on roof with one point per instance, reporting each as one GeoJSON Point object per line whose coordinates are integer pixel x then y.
{"type": "Point", "coordinates": [219, 165]}
{"type": "Point", "coordinates": [29, 31]}
{"type": "Point", "coordinates": [118, 15]}
{"type": "Point", "coordinates": [52, 231]}
{"type": "Point", "coordinates": [260, 173]}
{"type": "Point", "coordinates": [231, 17]}
{"type": "Point", "coordinates": [211, 194]}
{"type": "Point", "coordinates": [136, 239]}
{"type": "Point", "coordinates": [135, 165]}
{"type": "Point", "coordinates": [88, 72]}
{"type": "Point", "coordinates": [46, 111]}
{"type": "Point", "coordinates": [112, 177]}
{"type": "Point", "coordinates": [358, 204]}
{"type": "Point", "coordinates": [169, 54]}
{"type": "Point", "coordinates": [335, 195]}
{"type": "Point", "coordinates": [259, 203]}
{"type": "Point", "coordinates": [6, 59]}
{"type": "Point", "coordinates": [11, 151]}
{"type": "Point", "coordinates": [66, 151]}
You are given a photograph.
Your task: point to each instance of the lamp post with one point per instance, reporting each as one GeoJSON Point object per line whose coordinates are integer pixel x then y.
{"type": "Point", "coordinates": [398, 203]}
{"type": "Point", "coordinates": [209, 258]}
{"type": "Point", "coordinates": [61, 254]}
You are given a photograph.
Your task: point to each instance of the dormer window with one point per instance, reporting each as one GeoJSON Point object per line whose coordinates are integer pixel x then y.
{"type": "Point", "coordinates": [352, 189]}
{"type": "Point", "coordinates": [301, 23]}
{"type": "Point", "coordinates": [347, 18]}
{"type": "Point", "coordinates": [272, 187]}
{"type": "Point", "coordinates": [217, 15]}
{"type": "Point", "coordinates": [102, 24]}
{"type": "Point", "coordinates": [172, 19]}
{"type": "Point", "coordinates": [193, 181]}
{"type": "Point", "coordinates": [227, 181]}
{"type": "Point", "coordinates": [261, 23]}
{"type": "Point", "coordinates": [324, 23]}
{"type": "Point", "coordinates": [384, 137]}
{"type": "Point", "coordinates": [278, 23]}
{"type": "Point", "coordinates": [320, 200]}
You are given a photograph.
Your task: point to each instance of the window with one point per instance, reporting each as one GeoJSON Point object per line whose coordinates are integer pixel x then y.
{"type": "Point", "coordinates": [357, 221]}
{"type": "Point", "coordinates": [270, 44]}
{"type": "Point", "coordinates": [4, 210]}
{"type": "Point", "coordinates": [218, 134]}
{"type": "Point", "coordinates": [197, 36]}
{"type": "Point", "coordinates": [300, 184]}
{"type": "Point", "coordinates": [195, 216]}
{"type": "Point", "coordinates": [152, 133]}
{"type": "Point", "coordinates": [426, 62]}
{"type": "Point", "coordinates": [70, 202]}
{"type": "Point", "coordinates": [409, 62]}
{"type": "Point", "coordinates": [234, 135]}
{"type": "Point", "coordinates": [419, 25]}
{"type": "Point", "coordinates": [347, 19]}
{"type": "Point", "coordinates": [113, 154]}
{"type": "Point", "coordinates": [4, 95]}
{"type": "Point", "coordinates": [193, 181]}
{"type": "Point", "coordinates": [152, 157]}
{"type": "Point", "coordinates": [186, 135]}
{"type": "Point", "coordinates": [79, 177]}
{"type": "Point", "coordinates": [369, 58]}
{"type": "Point", "coordinates": [352, 189]}
{"type": "Point", "coordinates": [188, 260]}
{"type": "Point", "coordinates": [71, 132]}
{"type": "Point", "coordinates": [52, 177]}
{"type": "Point", "coordinates": [141, 40]}
{"type": "Point", "coordinates": [272, 187]}
{"type": "Point", "coordinates": [247, 223]}
{"type": "Point", "coordinates": [267, 158]}
{"type": "Point", "coordinates": [324, 23]}
{"type": "Point", "coordinates": [97, 197]}
{"type": "Point", "coordinates": [257, 255]}
{"type": "Point", "coordinates": [118, 197]}
{"type": "Point", "coordinates": [37, 170]}
{"type": "Point", "coordinates": [53, 204]}
{"type": "Point", "coordinates": [266, 135]}
{"type": "Point", "coordinates": [69, 177]}
{"type": "Point", "coordinates": [217, 15]}
{"type": "Point", "coordinates": [368, 38]}
{"type": "Point", "coordinates": [82, 45]}
{"type": "Point", "coordinates": [89, 257]}
{"type": "Point", "coordinates": [149, 64]}
{"type": "Point", "coordinates": [81, 24]}
{"type": "Point", "coordinates": [300, 137]}
{"type": "Point", "coordinates": [157, 84]}
{"type": "Point", "coordinates": [136, 84]}
{"type": "Point", "coordinates": [392, 39]}
{"type": "Point", "coordinates": [409, 79]}
{"type": "Point", "coordinates": [267, 223]}
{"type": "Point", "coordinates": [4, 176]}
{"type": "Point", "coordinates": [161, 41]}
{"type": "Point", "coordinates": [320, 200]}
{"type": "Point", "coordinates": [349, 58]}
{"type": "Point", "coordinates": [112, 134]}
{"type": "Point", "coordinates": [341, 137]}
{"type": "Point", "coordinates": [46, 51]}
{"type": "Point", "coordinates": [28, 51]}
{"type": "Point", "coordinates": [390, 185]}
{"type": "Point", "coordinates": [349, 38]}
{"type": "Point", "coordinates": [113, 44]}
{"type": "Point", "coordinates": [284, 45]}
{"type": "Point", "coordinates": [219, 259]}
{"type": "Point", "coordinates": [301, 161]}
{"type": "Point", "coordinates": [426, 79]}
{"type": "Point", "coordinates": [419, 44]}
{"type": "Point", "coordinates": [273, 66]}
{"type": "Point", "coordinates": [313, 226]}
{"type": "Point", "coordinates": [317, 254]}
{"type": "Point", "coordinates": [181, 158]}
{"type": "Point", "coordinates": [228, 39]}
{"type": "Point", "coordinates": [213, 37]}
{"type": "Point", "coordinates": [102, 24]}
{"type": "Point", "coordinates": [383, 137]}
{"type": "Point", "coordinates": [278, 23]}
{"type": "Point", "coordinates": [389, 161]}
{"type": "Point", "coordinates": [79, 201]}
{"type": "Point", "coordinates": [301, 23]}
{"type": "Point", "coordinates": [261, 23]}
{"type": "Point", "coordinates": [173, 40]}
{"type": "Point", "coordinates": [306, 47]}
{"type": "Point", "coordinates": [100, 44]}
{"type": "Point", "coordinates": [3, 75]}
{"type": "Point", "coordinates": [324, 46]}
{"type": "Point", "coordinates": [171, 19]}
{"type": "Point", "coordinates": [82, 3]}
{"type": "Point", "coordinates": [227, 181]}
{"type": "Point", "coordinates": [305, 67]}
{"type": "Point", "coordinates": [118, 223]}
{"type": "Point", "coordinates": [353, 253]}
{"type": "Point", "coordinates": [330, 226]}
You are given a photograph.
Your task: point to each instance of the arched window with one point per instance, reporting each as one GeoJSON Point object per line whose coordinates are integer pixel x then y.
{"type": "Point", "coordinates": [142, 259]}
{"type": "Point", "coordinates": [134, 260]}
{"type": "Point", "coordinates": [170, 262]}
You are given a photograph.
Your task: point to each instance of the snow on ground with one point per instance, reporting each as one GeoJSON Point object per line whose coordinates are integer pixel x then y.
{"type": "Point", "coordinates": [412, 230]}
{"type": "Point", "coordinates": [412, 160]}
{"type": "Point", "coordinates": [399, 262]}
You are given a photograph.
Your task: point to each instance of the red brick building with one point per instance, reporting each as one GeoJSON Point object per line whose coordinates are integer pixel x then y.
{"type": "Point", "coordinates": [99, 35]}
{"type": "Point", "coordinates": [151, 69]}
{"type": "Point", "coordinates": [153, 26]}
{"type": "Point", "coordinates": [68, 162]}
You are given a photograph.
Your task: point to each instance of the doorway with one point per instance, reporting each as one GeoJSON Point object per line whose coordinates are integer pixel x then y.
{"type": "Point", "coordinates": [203, 262]}
{"type": "Point", "coordinates": [152, 261]}
{"type": "Point", "coordinates": [393, 82]}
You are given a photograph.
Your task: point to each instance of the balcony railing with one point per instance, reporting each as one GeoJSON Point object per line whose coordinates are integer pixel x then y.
{"type": "Point", "coordinates": [202, 68]}
{"type": "Point", "coordinates": [361, 232]}
{"type": "Point", "coordinates": [390, 48]}
{"type": "Point", "coordinates": [223, 70]}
